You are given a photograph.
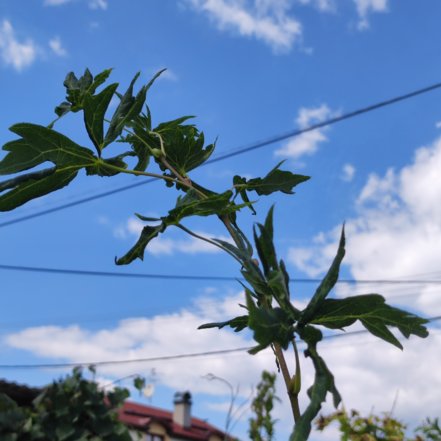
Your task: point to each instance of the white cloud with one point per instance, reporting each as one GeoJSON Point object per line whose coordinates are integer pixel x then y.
{"type": "Point", "coordinates": [307, 143]}
{"type": "Point", "coordinates": [98, 4]}
{"type": "Point", "coordinates": [163, 245]}
{"type": "Point", "coordinates": [366, 7]}
{"type": "Point", "coordinates": [268, 21]}
{"type": "Point", "coordinates": [93, 4]}
{"type": "Point", "coordinates": [396, 233]}
{"type": "Point", "coordinates": [348, 173]}
{"type": "Point", "coordinates": [15, 53]}
{"type": "Point", "coordinates": [321, 5]}
{"type": "Point", "coordinates": [57, 47]}
{"type": "Point", "coordinates": [56, 2]}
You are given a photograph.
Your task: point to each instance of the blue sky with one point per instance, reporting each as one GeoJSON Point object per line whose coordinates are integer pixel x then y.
{"type": "Point", "coordinates": [248, 69]}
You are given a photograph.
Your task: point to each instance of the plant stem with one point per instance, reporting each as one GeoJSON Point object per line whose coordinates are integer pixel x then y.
{"type": "Point", "coordinates": [293, 398]}
{"type": "Point", "coordinates": [183, 180]}
{"type": "Point", "coordinates": [148, 174]}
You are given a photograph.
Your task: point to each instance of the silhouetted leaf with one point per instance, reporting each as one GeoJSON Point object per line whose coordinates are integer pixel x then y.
{"type": "Point", "coordinates": [238, 324]}
{"type": "Point", "coordinates": [137, 251]}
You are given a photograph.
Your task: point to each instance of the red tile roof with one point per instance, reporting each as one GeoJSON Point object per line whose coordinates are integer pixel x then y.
{"type": "Point", "coordinates": [139, 416]}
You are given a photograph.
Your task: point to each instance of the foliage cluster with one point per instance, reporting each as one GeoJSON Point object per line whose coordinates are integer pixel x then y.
{"type": "Point", "coordinates": [354, 427]}
{"type": "Point", "coordinates": [261, 424]}
{"type": "Point", "coordinates": [177, 148]}
{"type": "Point", "coordinates": [70, 409]}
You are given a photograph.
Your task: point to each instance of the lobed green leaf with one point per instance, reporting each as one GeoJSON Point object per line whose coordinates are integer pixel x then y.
{"type": "Point", "coordinates": [37, 145]}
{"type": "Point", "coordinates": [276, 180]}
{"type": "Point", "coordinates": [183, 145]}
{"type": "Point", "coordinates": [374, 314]}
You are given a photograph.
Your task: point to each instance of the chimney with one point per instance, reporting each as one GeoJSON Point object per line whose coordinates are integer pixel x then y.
{"type": "Point", "coordinates": [182, 410]}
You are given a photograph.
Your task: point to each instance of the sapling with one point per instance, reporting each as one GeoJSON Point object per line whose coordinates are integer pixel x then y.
{"type": "Point", "coordinates": [178, 147]}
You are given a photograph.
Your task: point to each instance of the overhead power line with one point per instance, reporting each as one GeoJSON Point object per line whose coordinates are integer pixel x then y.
{"type": "Point", "coordinates": [166, 357]}
{"type": "Point", "coordinates": [77, 272]}
{"type": "Point", "coordinates": [237, 151]}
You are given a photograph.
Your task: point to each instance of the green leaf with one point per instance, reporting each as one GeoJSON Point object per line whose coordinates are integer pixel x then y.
{"type": "Point", "coordinates": [78, 89]}
{"type": "Point", "coordinates": [128, 108]}
{"type": "Point", "coordinates": [270, 325]}
{"type": "Point", "coordinates": [39, 145]}
{"type": "Point", "coordinates": [106, 167]}
{"type": "Point", "coordinates": [374, 314]}
{"type": "Point", "coordinates": [264, 244]}
{"type": "Point", "coordinates": [238, 324]}
{"type": "Point", "coordinates": [275, 180]}
{"type": "Point", "coordinates": [137, 251]}
{"type": "Point", "coordinates": [141, 140]}
{"type": "Point", "coordinates": [323, 383]}
{"type": "Point", "coordinates": [183, 145]}
{"type": "Point", "coordinates": [95, 107]}
{"type": "Point", "coordinates": [192, 205]}
{"type": "Point", "coordinates": [326, 285]}
{"type": "Point", "coordinates": [24, 191]}
{"type": "Point", "coordinates": [139, 383]}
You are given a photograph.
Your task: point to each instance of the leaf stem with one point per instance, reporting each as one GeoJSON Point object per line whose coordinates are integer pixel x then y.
{"type": "Point", "coordinates": [139, 173]}
{"type": "Point", "coordinates": [293, 399]}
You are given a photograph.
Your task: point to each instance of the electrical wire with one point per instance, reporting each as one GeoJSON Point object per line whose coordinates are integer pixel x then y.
{"type": "Point", "coordinates": [237, 151]}
{"type": "Point", "coordinates": [167, 357]}
{"type": "Point", "coordinates": [77, 272]}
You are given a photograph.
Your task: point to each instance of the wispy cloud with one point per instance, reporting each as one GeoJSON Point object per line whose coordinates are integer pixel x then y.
{"type": "Point", "coordinates": [321, 5]}
{"type": "Point", "coordinates": [13, 52]}
{"type": "Point", "coordinates": [366, 7]}
{"type": "Point", "coordinates": [348, 173]}
{"type": "Point", "coordinates": [273, 21]}
{"type": "Point", "coordinates": [93, 4]}
{"type": "Point", "coordinates": [307, 143]}
{"type": "Point", "coordinates": [57, 47]}
{"type": "Point", "coordinates": [268, 21]}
